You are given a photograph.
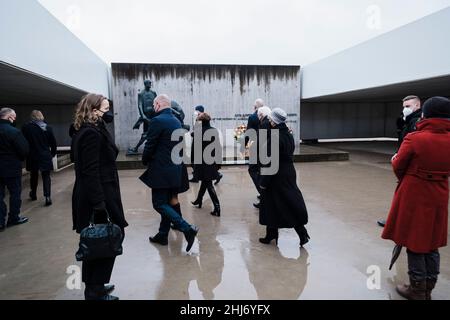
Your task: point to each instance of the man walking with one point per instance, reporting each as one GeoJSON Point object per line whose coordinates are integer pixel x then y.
{"type": "Point", "coordinates": [13, 150]}
{"type": "Point", "coordinates": [163, 175]}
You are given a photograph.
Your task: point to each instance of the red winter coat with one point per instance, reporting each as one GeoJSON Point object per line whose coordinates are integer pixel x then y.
{"type": "Point", "coordinates": [419, 213]}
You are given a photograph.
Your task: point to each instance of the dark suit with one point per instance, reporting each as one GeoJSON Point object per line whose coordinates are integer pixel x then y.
{"type": "Point", "coordinates": [253, 169]}
{"type": "Point", "coordinates": [163, 175]}
{"type": "Point", "coordinates": [13, 150]}
{"type": "Point", "coordinates": [96, 189]}
{"type": "Point", "coordinates": [42, 150]}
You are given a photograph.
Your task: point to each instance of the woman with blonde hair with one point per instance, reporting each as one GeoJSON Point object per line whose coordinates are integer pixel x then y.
{"type": "Point", "coordinates": [96, 190]}
{"type": "Point", "coordinates": [42, 143]}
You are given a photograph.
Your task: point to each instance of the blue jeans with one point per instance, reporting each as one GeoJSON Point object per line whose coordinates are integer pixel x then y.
{"type": "Point", "coordinates": [161, 203]}
{"type": "Point", "coordinates": [14, 185]}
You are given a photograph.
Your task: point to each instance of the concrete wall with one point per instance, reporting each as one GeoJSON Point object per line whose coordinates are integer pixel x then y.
{"type": "Point", "coordinates": [34, 40]}
{"type": "Point", "coordinates": [228, 93]}
{"type": "Point", "coordinates": [419, 50]}
{"type": "Point", "coordinates": [321, 120]}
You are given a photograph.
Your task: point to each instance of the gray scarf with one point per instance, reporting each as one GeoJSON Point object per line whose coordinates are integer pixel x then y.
{"type": "Point", "coordinates": [41, 124]}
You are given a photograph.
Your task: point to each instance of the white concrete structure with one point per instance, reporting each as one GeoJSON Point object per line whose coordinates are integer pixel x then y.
{"type": "Point", "coordinates": [44, 66]}
{"type": "Point", "coordinates": [34, 40]}
{"type": "Point", "coordinates": [357, 93]}
{"type": "Point", "coordinates": [417, 51]}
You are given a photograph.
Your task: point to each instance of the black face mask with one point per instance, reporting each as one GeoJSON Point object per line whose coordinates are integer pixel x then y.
{"type": "Point", "coordinates": [108, 117]}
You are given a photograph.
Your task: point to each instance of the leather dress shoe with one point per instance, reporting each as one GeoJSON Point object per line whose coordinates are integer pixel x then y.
{"type": "Point", "coordinates": [48, 201]}
{"type": "Point", "coordinates": [21, 220]}
{"type": "Point", "coordinates": [160, 239]}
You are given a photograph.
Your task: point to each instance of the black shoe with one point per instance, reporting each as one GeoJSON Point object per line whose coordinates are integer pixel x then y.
{"type": "Point", "coordinates": [109, 288]}
{"type": "Point", "coordinates": [271, 234]}
{"type": "Point", "coordinates": [2, 227]}
{"type": "Point", "coordinates": [303, 235]}
{"type": "Point", "coordinates": [256, 205]}
{"type": "Point", "coordinates": [33, 196]}
{"type": "Point", "coordinates": [48, 201]}
{"type": "Point", "coordinates": [381, 222]}
{"type": "Point", "coordinates": [216, 212]}
{"type": "Point", "coordinates": [97, 292]}
{"type": "Point", "coordinates": [218, 179]}
{"type": "Point", "coordinates": [159, 238]}
{"type": "Point", "coordinates": [21, 220]}
{"type": "Point", "coordinates": [268, 239]}
{"type": "Point", "coordinates": [197, 203]}
{"type": "Point", "coordinates": [108, 297]}
{"type": "Point", "coordinates": [190, 237]}
{"type": "Point", "coordinates": [194, 180]}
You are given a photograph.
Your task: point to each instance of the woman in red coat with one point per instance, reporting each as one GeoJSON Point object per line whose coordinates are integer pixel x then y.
{"type": "Point", "coordinates": [419, 213]}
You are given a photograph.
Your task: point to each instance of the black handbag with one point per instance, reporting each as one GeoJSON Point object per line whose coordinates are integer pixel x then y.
{"type": "Point", "coordinates": [98, 241]}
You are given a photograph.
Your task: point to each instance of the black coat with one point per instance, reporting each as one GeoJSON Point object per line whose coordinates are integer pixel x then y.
{"type": "Point", "coordinates": [96, 178]}
{"type": "Point", "coordinates": [162, 172]}
{"type": "Point", "coordinates": [13, 150]}
{"type": "Point", "coordinates": [263, 133]}
{"type": "Point", "coordinates": [42, 146]}
{"type": "Point", "coordinates": [209, 171]}
{"type": "Point", "coordinates": [282, 204]}
{"type": "Point", "coordinates": [252, 123]}
{"type": "Point", "coordinates": [409, 125]}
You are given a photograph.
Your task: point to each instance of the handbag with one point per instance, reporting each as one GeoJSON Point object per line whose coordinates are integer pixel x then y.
{"type": "Point", "coordinates": [99, 241]}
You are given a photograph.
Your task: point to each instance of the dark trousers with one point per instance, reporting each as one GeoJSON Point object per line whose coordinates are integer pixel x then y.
{"type": "Point", "coordinates": [208, 185]}
{"type": "Point", "coordinates": [98, 272]}
{"type": "Point", "coordinates": [253, 170]}
{"type": "Point", "coordinates": [161, 203]}
{"type": "Point", "coordinates": [423, 266]}
{"type": "Point", "coordinates": [14, 185]}
{"type": "Point", "coordinates": [46, 181]}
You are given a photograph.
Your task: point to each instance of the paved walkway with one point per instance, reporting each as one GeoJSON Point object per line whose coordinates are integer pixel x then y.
{"type": "Point", "coordinates": [344, 200]}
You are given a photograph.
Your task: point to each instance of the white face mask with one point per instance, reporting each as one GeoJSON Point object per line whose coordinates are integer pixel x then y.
{"type": "Point", "coordinates": [407, 112]}
{"type": "Point", "coordinates": [196, 113]}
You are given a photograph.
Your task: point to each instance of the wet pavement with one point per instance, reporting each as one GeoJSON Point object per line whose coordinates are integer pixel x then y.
{"type": "Point", "coordinates": [344, 200]}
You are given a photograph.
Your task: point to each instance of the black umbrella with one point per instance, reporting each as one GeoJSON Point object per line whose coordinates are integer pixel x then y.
{"type": "Point", "coordinates": [395, 253]}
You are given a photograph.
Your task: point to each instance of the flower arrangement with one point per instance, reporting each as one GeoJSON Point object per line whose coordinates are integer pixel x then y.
{"type": "Point", "coordinates": [239, 131]}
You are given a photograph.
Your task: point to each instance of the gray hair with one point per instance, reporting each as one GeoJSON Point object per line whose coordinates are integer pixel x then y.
{"type": "Point", "coordinates": [411, 97]}
{"type": "Point", "coordinates": [4, 112]}
{"type": "Point", "coordinates": [259, 103]}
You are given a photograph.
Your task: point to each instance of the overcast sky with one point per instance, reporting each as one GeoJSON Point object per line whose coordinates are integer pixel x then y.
{"type": "Point", "coordinates": [232, 31]}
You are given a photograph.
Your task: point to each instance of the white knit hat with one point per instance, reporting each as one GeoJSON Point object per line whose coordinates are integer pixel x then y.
{"type": "Point", "coordinates": [278, 116]}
